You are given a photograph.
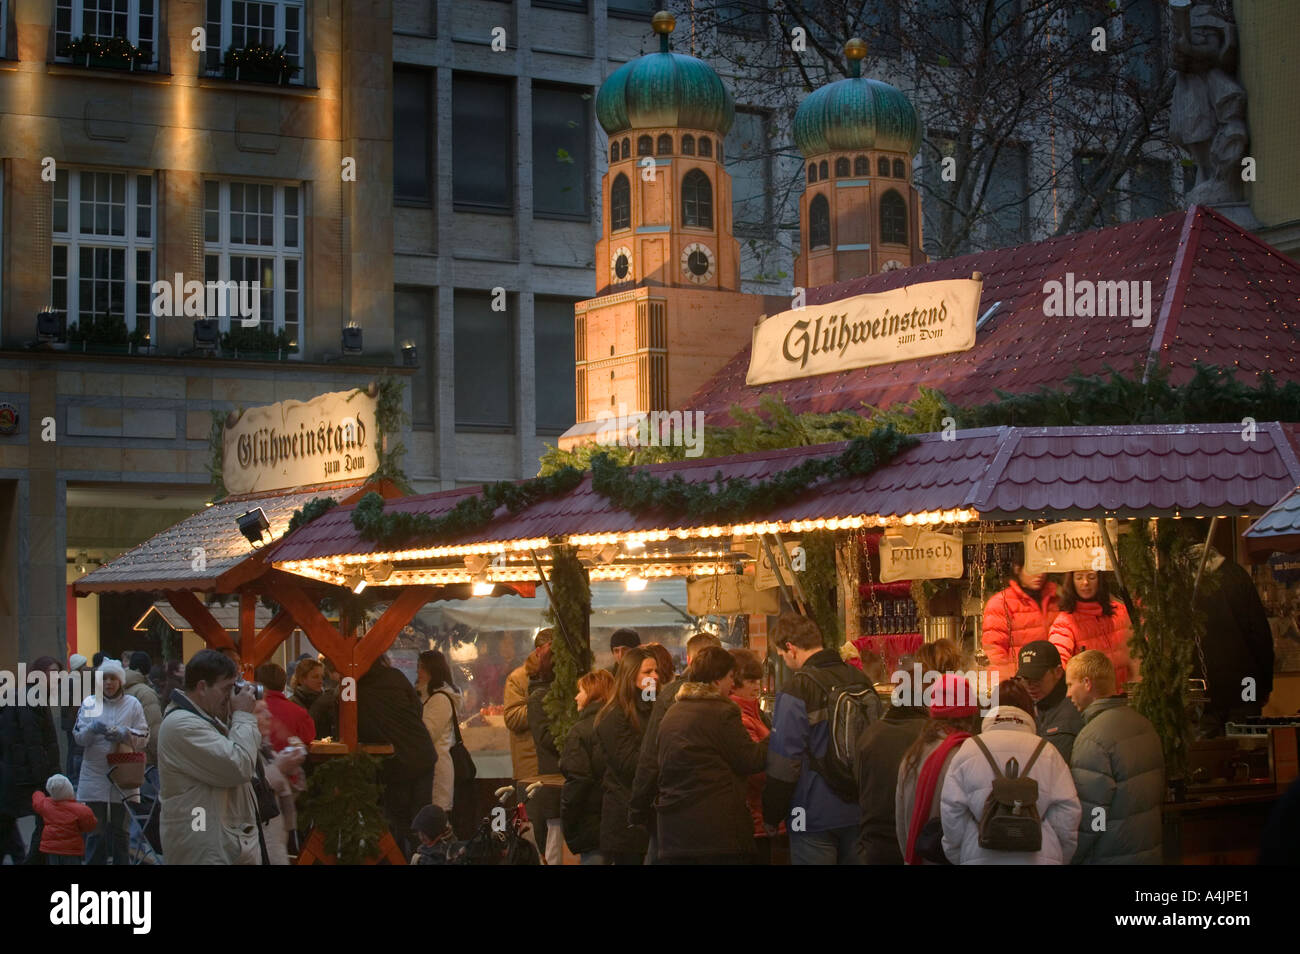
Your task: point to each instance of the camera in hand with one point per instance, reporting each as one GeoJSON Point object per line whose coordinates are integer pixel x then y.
{"type": "Point", "coordinates": [259, 691]}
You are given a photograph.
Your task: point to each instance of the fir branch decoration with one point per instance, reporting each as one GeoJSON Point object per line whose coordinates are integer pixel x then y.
{"type": "Point", "coordinates": [472, 513]}
{"type": "Point", "coordinates": [390, 419]}
{"type": "Point", "coordinates": [820, 584]}
{"type": "Point", "coordinates": [342, 801]}
{"type": "Point", "coordinates": [1160, 572]}
{"type": "Point", "coordinates": [217, 447]}
{"type": "Point", "coordinates": [736, 497]}
{"type": "Point", "coordinates": [572, 592]}
{"type": "Point", "coordinates": [310, 511]}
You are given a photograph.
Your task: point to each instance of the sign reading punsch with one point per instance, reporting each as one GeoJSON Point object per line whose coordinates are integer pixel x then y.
{"type": "Point", "coordinates": [920, 555]}
{"type": "Point", "coordinates": [300, 443]}
{"type": "Point", "coordinates": [915, 321]}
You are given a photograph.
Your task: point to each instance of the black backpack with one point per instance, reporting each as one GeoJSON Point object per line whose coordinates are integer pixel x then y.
{"type": "Point", "coordinates": [851, 706]}
{"type": "Point", "coordinates": [1010, 821]}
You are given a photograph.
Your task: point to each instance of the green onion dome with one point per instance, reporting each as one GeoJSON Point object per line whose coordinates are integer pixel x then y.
{"type": "Point", "coordinates": [664, 90]}
{"type": "Point", "coordinates": [856, 113]}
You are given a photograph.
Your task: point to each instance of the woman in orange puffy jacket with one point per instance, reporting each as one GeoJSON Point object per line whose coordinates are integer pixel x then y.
{"type": "Point", "coordinates": [1022, 613]}
{"type": "Point", "coordinates": [1090, 619]}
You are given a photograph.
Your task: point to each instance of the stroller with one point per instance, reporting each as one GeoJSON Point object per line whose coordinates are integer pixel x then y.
{"type": "Point", "coordinates": [128, 774]}
{"type": "Point", "coordinates": [505, 836]}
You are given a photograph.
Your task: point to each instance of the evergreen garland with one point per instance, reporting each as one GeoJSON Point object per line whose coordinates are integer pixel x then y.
{"type": "Point", "coordinates": [1160, 572]}
{"type": "Point", "coordinates": [470, 514]}
{"type": "Point", "coordinates": [309, 511]}
{"type": "Point", "coordinates": [572, 592]}
{"type": "Point", "coordinates": [390, 419]}
{"type": "Point", "coordinates": [734, 498]}
{"type": "Point", "coordinates": [342, 802]}
{"type": "Point", "coordinates": [217, 449]}
{"type": "Point", "coordinates": [820, 584]}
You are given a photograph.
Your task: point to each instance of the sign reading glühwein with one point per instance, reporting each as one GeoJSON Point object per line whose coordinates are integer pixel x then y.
{"type": "Point", "coordinates": [1068, 546]}
{"type": "Point", "coordinates": [915, 321]}
{"type": "Point", "coordinates": [300, 443]}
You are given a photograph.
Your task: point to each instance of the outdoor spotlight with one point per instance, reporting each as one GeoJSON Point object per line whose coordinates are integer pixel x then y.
{"type": "Point", "coordinates": [636, 583]}
{"type": "Point", "coordinates": [51, 325]}
{"type": "Point", "coordinates": [359, 585]}
{"type": "Point", "coordinates": [410, 355]}
{"type": "Point", "coordinates": [253, 524]}
{"type": "Point", "coordinates": [207, 334]}
{"type": "Point", "coordinates": [352, 340]}
{"type": "Point", "coordinates": [482, 588]}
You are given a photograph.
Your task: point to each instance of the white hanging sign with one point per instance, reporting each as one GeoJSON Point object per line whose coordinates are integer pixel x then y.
{"type": "Point", "coordinates": [919, 555]}
{"type": "Point", "coordinates": [1067, 547]}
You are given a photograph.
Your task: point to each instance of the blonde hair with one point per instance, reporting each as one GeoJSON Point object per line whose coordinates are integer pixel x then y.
{"type": "Point", "coordinates": [1095, 665]}
{"type": "Point", "coordinates": [942, 655]}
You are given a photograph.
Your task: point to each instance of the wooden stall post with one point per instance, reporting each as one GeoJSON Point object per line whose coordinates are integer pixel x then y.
{"type": "Point", "coordinates": [247, 633]}
{"type": "Point", "coordinates": [847, 553]}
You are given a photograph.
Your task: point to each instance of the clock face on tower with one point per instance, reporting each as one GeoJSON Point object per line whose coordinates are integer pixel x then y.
{"type": "Point", "coordinates": [697, 263]}
{"type": "Point", "coordinates": [620, 265]}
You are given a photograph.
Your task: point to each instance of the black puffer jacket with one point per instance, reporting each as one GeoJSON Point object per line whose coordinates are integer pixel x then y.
{"type": "Point", "coordinates": [620, 742]}
{"type": "Point", "coordinates": [29, 754]}
{"type": "Point", "coordinates": [325, 714]}
{"type": "Point", "coordinates": [645, 787]}
{"type": "Point", "coordinates": [539, 723]}
{"type": "Point", "coordinates": [583, 766]}
{"type": "Point", "coordinates": [389, 710]}
{"type": "Point", "coordinates": [876, 760]}
{"type": "Point", "coordinates": [705, 759]}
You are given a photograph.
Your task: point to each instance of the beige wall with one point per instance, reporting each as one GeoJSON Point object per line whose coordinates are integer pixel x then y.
{"type": "Point", "coordinates": [1270, 63]}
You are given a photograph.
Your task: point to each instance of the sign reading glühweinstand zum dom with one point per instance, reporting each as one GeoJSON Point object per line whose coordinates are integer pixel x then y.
{"type": "Point", "coordinates": [300, 443]}
{"type": "Point", "coordinates": [915, 321]}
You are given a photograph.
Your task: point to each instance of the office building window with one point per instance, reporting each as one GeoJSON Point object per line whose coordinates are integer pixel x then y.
{"type": "Point", "coordinates": [1007, 197]}
{"type": "Point", "coordinates": [1150, 189]}
{"type": "Point", "coordinates": [414, 322]}
{"type": "Point", "coordinates": [561, 152]}
{"type": "Point", "coordinates": [1143, 34]}
{"type": "Point", "coordinates": [749, 160]}
{"type": "Point", "coordinates": [943, 19]}
{"type": "Point", "coordinates": [553, 363]}
{"type": "Point", "coordinates": [103, 246]}
{"type": "Point", "coordinates": [482, 143]}
{"type": "Point", "coordinates": [266, 23]}
{"type": "Point", "coordinates": [485, 362]}
{"type": "Point", "coordinates": [880, 19]}
{"type": "Point", "coordinates": [893, 219]}
{"type": "Point", "coordinates": [1088, 168]}
{"type": "Point", "coordinates": [134, 20]}
{"type": "Point", "coordinates": [697, 200]}
{"type": "Point", "coordinates": [412, 135]}
{"type": "Point", "coordinates": [620, 204]}
{"type": "Point", "coordinates": [1088, 67]}
{"type": "Point", "coordinates": [819, 222]}
{"type": "Point", "coordinates": [635, 9]}
{"type": "Point", "coordinates": [746, 17]}
{"type": "Point", "coordinates": [252, 232]}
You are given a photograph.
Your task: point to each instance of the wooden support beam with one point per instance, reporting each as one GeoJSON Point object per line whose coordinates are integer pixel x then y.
{"type": "Point", "coordinates": [197, 615]}
{"type": "Point", "coordinates": [309, 619]}
{"type": "Point", "coordinates": [247, 632]}
{"type": "Point", "coordinates": [380, 636]}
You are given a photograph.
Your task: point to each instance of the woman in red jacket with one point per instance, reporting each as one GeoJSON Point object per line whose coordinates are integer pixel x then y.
{"type": "Point", "coordinates": [1090, 619]}
{"type": "Point", "coordinates": [1022, 613]}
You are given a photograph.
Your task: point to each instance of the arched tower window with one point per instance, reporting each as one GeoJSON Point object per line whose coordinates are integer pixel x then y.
{"type": "Point", "coordinates": [882, 167]}
{"type": "Point", "coordinates": [645, 146]}
{"type": "Point", "coordinates": [613, 151]}
{"type": "Point", "coordinates": [841, 167]}
{"type": "Point", "coordinates": [688, 145]}
{"type": "Point", "coordinates": [893, 218]}
{"type": "Point", "coordinates": [812, 172]}
{"type": "Point", "coordinates": [706, 147]}
{"type": "Point", "coordinates": [900, 170]}
{"type": "Point", "coordinates": [862, 166]}
{"type": "Point", "coordinates": [819, 222]}
{"type": "Point", "coordinates": [823, 170]}
{"type": "Point", "coordinates": [697, 200]}
{"type": "Point", "coordinates": [665, 145]}
{"type": "Point", "coordinates": [627, 150]}
{"type": "Point", "coordinates": [620, 204]}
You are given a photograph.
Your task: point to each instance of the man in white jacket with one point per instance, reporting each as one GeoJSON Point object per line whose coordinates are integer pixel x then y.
{"type": "Point", "coordinates": [206, 767]}
{"type": "Point", "coordinates": [1009, 731]}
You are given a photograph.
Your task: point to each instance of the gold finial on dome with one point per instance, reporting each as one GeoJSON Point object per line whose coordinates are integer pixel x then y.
{"type": "Point", "coordinates": [663, 23]}
{"type": "Point", "coordinates": [855, 49]}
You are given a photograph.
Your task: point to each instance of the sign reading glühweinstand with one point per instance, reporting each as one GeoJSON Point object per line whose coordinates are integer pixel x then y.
{"type": "Point", "coordinates": [919, 555]}
{"type": "Point", "coordinates": [300, 443]}
{"type": "Point", "coordinates": [915, 321]}
{"type": "Point", "coordinates": [1068, 546]}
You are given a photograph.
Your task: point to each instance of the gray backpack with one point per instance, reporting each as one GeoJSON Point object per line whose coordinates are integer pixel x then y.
{"type": "Point", "coordinates": [1010, 821]}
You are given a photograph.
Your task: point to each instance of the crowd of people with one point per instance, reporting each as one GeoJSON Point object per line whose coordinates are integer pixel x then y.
{"type": "Point", "coordinates": [660, 767]}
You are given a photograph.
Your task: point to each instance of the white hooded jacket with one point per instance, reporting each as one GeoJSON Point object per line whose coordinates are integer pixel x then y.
{"type": "Point", "coordinates": [1007, 732]}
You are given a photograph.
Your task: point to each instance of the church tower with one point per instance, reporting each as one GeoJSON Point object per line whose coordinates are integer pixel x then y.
{"type": "Point", "coordinates": [860, 213]}
{"type": "Point", "coordinates": [667, 195]}
{"type": "Point", "coordinates": [669, 311]}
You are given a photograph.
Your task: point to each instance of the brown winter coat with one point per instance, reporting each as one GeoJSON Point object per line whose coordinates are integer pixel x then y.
{"type": "Point", "coordinates": [523, 751]}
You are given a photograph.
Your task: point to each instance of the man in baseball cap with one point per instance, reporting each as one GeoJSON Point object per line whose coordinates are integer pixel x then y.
{"type": "Point", "coordinates": [1058, 720]}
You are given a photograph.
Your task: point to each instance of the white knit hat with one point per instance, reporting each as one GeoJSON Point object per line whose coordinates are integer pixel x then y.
{"type": "Point", "coordinates": [60, 788]}
{"type": "Point", "coordinates": [111, 667]}
{"type": "Point", "coordinates": [76, 662]}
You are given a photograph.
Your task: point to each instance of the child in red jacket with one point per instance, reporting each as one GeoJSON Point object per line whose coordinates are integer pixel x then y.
{"type": "Point", "coordinates": [66, 820]}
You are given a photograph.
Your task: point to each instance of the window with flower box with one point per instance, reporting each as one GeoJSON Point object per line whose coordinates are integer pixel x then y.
{"type": "Point", "coordinates": [115, 34]}
{"type": "Point", "coordinates": [103, 251]}
{"type": "Point", "coordinates": [252, 232]}
{"type": "Point", "coordinates": [257, 40]}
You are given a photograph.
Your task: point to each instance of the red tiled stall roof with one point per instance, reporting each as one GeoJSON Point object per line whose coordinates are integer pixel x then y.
{"type": "Point", "coordinates": [167, 560]}
{"type": "Point", "coordinates": [1220, 297]}
{"type": "Point", "coordinates": [1277, 530]}
{"type": "Point", "coordinates": [1002, 472]}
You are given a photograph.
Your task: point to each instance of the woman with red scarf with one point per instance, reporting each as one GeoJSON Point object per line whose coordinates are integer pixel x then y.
{"type": "Point", "coordinates": [746, 689]}
{"type": "Point", "coordinates": [921, 776]}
